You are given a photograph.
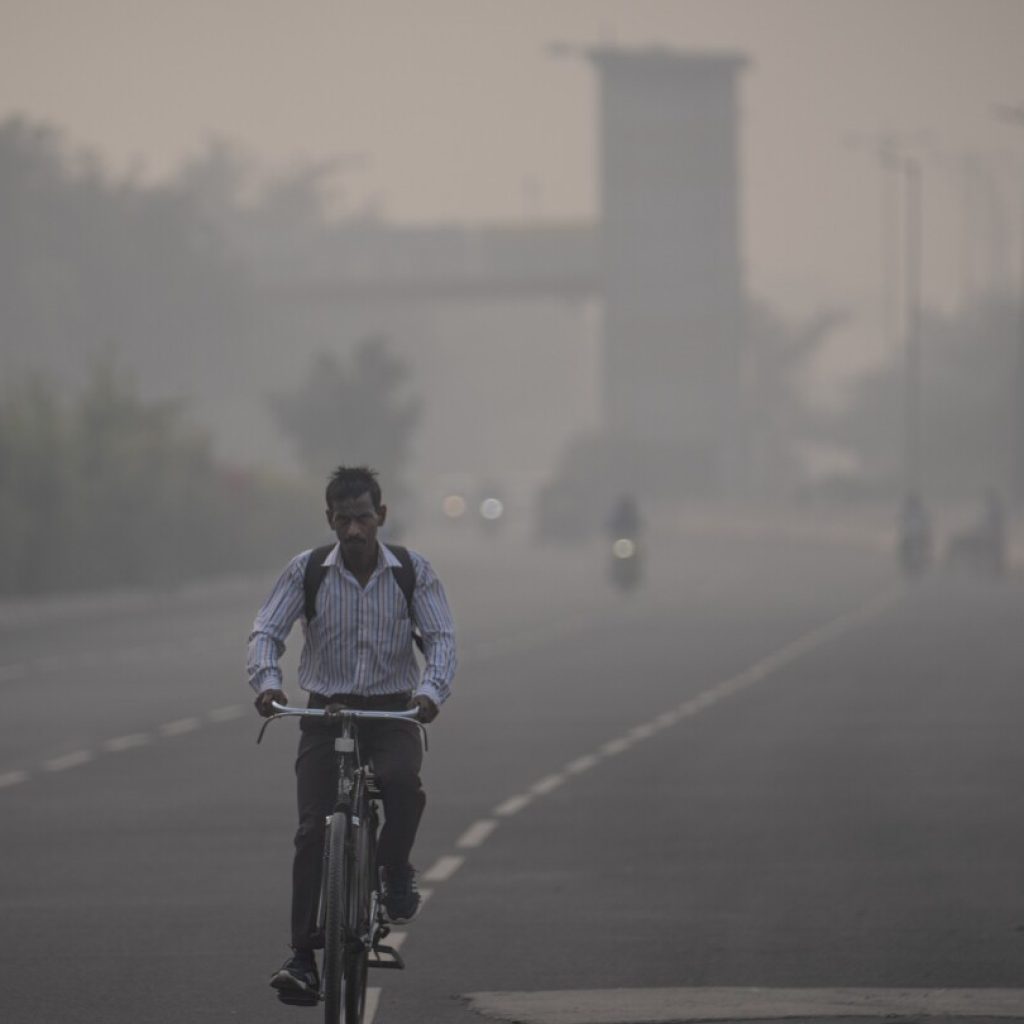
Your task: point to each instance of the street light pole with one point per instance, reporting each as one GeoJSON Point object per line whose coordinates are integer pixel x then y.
{"type": "Point", "coordinates": [1015, 115]}
{"type": "Point", "coordinates": [912, 275]}
{"type": "Point", "coordinates": [888, 155]}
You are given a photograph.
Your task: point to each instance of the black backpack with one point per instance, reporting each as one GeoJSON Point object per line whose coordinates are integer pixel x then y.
{"type": "Point", "coordinates": [405, 577]}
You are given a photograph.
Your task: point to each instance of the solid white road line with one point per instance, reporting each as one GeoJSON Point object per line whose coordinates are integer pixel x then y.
{"type": "Point", "coordinates": [60, 764]}
{"type": "Point", "coordinates": [443, 869]}
{"type": "Point", "coordinates": [476, 833]}
{"type": "Point", "coordinates": [664, 1005]}
{"type": "Point", "coordinates": [129, 742]}
{"type": "Point", "coordinates": [12, 778]}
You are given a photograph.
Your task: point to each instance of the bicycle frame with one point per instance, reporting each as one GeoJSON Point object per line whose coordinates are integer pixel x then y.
{"type": "Point", "coordinates": [350, 915]}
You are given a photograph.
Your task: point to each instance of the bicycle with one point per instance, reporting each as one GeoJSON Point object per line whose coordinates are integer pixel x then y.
{"type": "Point", "coordinates": [351, 915]}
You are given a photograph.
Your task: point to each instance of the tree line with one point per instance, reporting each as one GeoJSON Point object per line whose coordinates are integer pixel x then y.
{"type": "Point", "coordinates": [105, 489]}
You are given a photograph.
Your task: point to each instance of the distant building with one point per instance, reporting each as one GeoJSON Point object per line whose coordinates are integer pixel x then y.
{"type": "Point", "coordinates": [670, 228]}
{"type": "Point", "coordinates": [650, 299]}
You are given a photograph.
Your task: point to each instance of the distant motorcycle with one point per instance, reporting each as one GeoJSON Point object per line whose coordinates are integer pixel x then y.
{"type": "Point", "coordinates": [625, 568]}
{"type": "Point", "coordinates": [915, 538]}
{"type": "Point", "coordinates": [915, 553]}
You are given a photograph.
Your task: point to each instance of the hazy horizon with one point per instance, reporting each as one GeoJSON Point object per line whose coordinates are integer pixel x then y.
{"type": "Point", "coordinates": [456, 111]}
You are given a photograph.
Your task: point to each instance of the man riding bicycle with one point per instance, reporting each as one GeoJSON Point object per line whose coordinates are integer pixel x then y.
{"type": "Point", "coordinates": [357, 653]}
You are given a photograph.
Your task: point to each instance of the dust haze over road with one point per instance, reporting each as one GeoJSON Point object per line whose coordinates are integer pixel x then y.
{"type": "Point", "coordinates": [770, 766]}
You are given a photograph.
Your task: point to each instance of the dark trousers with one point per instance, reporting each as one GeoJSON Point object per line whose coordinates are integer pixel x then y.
{"type": "Point", "coordinates": [395, 750]}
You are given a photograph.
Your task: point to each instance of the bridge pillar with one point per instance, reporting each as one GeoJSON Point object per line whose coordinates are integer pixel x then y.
{"type": "Point", "coordinates": [670, 238]}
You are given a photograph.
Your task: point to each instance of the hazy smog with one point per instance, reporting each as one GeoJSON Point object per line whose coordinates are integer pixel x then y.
{"type": "Point", "coordinates": [538, 242]}
{"type": "Point", "coordinates": [687, 339]}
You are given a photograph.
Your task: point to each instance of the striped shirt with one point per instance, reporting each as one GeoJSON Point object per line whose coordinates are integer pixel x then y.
{"type": "Point", "coordinates": [360, 640]}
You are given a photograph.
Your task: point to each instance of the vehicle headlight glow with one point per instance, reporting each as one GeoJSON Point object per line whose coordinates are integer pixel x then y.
{"type": "Point", "coordinates": [623, 548]}
{"type": "Point", "coordinates": [454, 506]}
{"type": "Point", "coordinates": [491, 508]}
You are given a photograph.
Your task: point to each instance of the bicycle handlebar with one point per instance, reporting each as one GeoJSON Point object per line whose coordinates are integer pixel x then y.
{"type": "Point", "coordinates": [284, 709]}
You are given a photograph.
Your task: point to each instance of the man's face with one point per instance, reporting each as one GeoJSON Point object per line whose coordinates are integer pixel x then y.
{"type": "Point", "coordinates": [355, 522]}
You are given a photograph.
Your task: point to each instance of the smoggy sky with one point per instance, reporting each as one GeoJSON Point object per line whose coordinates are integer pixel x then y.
{"type": "Point", "coordinates": [459, 113]}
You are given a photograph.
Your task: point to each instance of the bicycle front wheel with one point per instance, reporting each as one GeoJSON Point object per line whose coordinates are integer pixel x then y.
{"type": "Point", "coordinates": [336, 883]}
{"type": "Point", "coordinates": [360, 890]}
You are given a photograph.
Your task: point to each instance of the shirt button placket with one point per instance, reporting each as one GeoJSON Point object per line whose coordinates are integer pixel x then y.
{"type": "Point", "coordinates": [360, 643]}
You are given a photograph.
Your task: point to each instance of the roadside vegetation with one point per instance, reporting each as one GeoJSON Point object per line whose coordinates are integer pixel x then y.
{"type": "Point", "coordinates": [102, 489]}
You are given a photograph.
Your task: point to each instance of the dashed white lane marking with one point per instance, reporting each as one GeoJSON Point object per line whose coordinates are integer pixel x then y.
{"type": "Point", "coordinates": [643, 732]}
{"type": "Point", "coordinates": [60, 764]}
{"type": "Point", "coordinates": [476, 834]}
{"type": "Point", "coordinates": [513, 805]}
{"type": "Point", "coordinates": [443, 868]}
{"type": "Point", "coordinates": [178, 727]}
{"type": "Point", "coordinates": [226, 714]}
{"type": "Point", "coordinates": [582, 764]}
{"type": "Point", "coordinates": [664, 1005]}
{"type": "Point", "coordinates": [129, 742]}
{"type": "Point", "coordinates": [371, 1004]}
{"type": "Point", "coordinates": [544, 786]}
{"type": "Point", "coordinates": [694, 705]}
{"type": "Point", "coordinates": [616, 746]}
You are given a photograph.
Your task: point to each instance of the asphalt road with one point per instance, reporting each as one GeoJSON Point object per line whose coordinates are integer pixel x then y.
{"type": "Point", "coordinates": [771, 767]}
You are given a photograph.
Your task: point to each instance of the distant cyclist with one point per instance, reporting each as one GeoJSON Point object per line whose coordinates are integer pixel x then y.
{"type": "Point", "coordinates": [915, 535]}
{"type": "Point", "coordinates": [358, 653]}
{"type": "Point", "coordinates": [624, 520]}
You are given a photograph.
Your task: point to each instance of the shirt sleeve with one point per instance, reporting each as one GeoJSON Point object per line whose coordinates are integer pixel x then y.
{"type": "Point", "coordinates": [273, 623]}
{"type": "Point", "coordinates": [433, 616]}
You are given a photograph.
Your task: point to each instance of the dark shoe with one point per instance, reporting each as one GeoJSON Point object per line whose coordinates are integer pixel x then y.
{"type": "Point", "coordinates": [297, 982]}
{"type": "Point", "coordinates": [400, 897]}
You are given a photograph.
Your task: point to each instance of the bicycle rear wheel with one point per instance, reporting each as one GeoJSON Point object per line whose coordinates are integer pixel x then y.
{"type": "Point", "coordinates": [360, 926]}
{"type": "Point", "coordinates": [336, 884]}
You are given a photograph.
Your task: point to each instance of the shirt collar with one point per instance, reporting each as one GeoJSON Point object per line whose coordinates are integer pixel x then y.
{"type": "Point", "coordinates": [383, 554]}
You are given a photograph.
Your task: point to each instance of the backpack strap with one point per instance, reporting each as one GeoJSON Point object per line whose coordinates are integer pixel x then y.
{"type": "Point", "coordinates": [404, 573]}
{"type": "Point", "coordinates": [313, 577]}
{"type": "Point", "coordinates": [405, 577]}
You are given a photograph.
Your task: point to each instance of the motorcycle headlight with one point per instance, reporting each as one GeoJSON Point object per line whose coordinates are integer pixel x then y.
{"type": "Point", "coordinates": [623, 548]}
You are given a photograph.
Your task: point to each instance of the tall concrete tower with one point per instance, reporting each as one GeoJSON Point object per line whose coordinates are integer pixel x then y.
{"type": "Point", "coordinates": [670, 225]}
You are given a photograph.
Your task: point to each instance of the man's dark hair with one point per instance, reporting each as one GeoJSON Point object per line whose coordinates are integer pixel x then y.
{"type": "Point", "coordinates": [351, 482]}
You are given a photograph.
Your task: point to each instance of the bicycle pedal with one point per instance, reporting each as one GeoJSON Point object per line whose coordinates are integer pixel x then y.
{"type": "Point", "coordinates": [391, 960]}
{"type": "Point", "coordinates": [293, 997]}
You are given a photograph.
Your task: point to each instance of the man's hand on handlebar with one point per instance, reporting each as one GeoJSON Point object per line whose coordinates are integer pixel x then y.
{"type": "Point", "coordinates": [332, 712]}
{"type": "Point", "coordinates": [426, 708]}
{"type": "Point", "coordinates": [265, 698]}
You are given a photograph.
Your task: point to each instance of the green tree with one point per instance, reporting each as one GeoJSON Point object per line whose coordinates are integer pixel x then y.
{"type": "Point", "coordinates": [358, 411]}
{"type": "Point", "coordinates": [968, 391]}
{"type": "Point", "coordinates": [109, 490]}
